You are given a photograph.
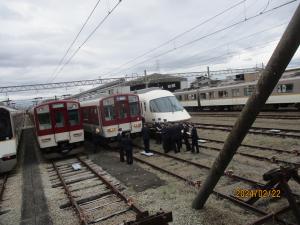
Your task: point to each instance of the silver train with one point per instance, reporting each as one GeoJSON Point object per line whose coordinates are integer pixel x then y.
{"type": "Point", "coordinates": [11, 123]}
{"type": "Point", "coordinates": [161, 106]}
{"type": "Point", "coordinates": [234, 96]}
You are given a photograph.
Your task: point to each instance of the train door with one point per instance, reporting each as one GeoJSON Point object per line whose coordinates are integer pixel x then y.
{"type": "Point", "coordinates": [60, 124]}
{"type": "Point", "coordinates": [109, 117]}
{"type": "Point", "coordinates": [134, 109]}
{"type": "Point", "coordinates": [123, 112]}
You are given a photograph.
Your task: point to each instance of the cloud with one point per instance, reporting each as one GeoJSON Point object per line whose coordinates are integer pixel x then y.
{"type": "Point", "coordinates": [35, 34]}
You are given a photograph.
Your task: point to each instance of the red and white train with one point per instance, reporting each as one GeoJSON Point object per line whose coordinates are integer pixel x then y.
{"type": "Point", "coordinates": [58, 126]}
{"type": "Point", "coordinates": [105, 115]}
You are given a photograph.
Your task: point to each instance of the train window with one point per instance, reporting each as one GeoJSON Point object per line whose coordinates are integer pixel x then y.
{"type": "Point", "coordinates": [74, 117]}
{"type": "Point", "coordinates": [85, 113]}
{"type": "Point", "coordinates": [5, 125]}
{"type": "Point", "coordinates": [179, 97]}
{"type": "Point", "coordinates": [58, 105]}
{"type": "Point", "coordinates": [285, 88]}
{"type": "Point", "coordinates": [109, 109]}
{"type": "Point", "coordinates": [249, 90]}
{"type": "Point", "coordinates": [122, 110]}
{"type": "Point", "coordinates": [44, 121]}
{"type": "Point", "coordinates": [165, 104]}
{"type": "Point", "coordinates": [222, 94]}
{"type": "Point", "coordinates": [141, 107]}
{"type": "Point", "coordinates": [235, 92]}
{"type": "Point", "coordinates": [133, 105]}
{"type": "Point", "coordinates": [202, 95]}
{"type": "Point", "coordinates": [59, 119]}
{"type": "Point", "coordinates": [95, 116]}
{"type": "Point", "coordinates": [145, 106]}
{"type": "Point", "coordinates": [211, 95]}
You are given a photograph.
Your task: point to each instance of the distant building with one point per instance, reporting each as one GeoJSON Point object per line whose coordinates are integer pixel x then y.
{"type": "Point", "coordinates": [203, 81]}
{"type": "Point", "coordinates": [164, 81]}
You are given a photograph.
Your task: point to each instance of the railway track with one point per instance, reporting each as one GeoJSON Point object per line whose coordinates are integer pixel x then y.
{"type": "Point", "coordinates": [197, 183]}
{"type": "Point", "coordinates": [272, 159]}
{"type": "Point", "coordinates": [291, 133]}
{"type": "Point", "coordinates": [96, 196]}
{"type": "Point", "coordinates": [257, 147]}
{"type": "Point", "coordinates": [263, 116]}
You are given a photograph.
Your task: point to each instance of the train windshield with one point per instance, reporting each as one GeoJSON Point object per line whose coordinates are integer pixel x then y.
{"type": "Point", "coordinates": [109, 109]}
{"type": "Point", "coordinates": [73, 113]}
{"type": "Point", "coordinates": [165, 104]}
{"type": "Point", "coordinates": [5, 125]}
{"type": "Point", "coordinates": [43, 116]}
{"type": "Point", "coordinates": [133, 105]}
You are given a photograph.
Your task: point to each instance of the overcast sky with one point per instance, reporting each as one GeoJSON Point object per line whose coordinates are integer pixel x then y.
{"type": "Point", "coordinates": [35, 34]}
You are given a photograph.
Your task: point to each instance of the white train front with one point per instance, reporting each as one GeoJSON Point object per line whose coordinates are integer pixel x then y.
{"type": "Point", "coordinates": [11, 123]}
{"type": "Point", "coordinates": [161, 106]}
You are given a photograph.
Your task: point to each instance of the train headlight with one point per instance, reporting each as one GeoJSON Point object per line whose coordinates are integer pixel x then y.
{"type": "Point", "coordinates": [97, 131]}
{"type": "Point", "coordinates": [113, 129]}
{"type": "Point", "coordinates": [136, 125]}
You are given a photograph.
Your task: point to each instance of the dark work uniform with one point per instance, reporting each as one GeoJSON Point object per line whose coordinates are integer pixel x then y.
{"type": "Point", "coordinates": [157, 133]}
{"type": "Point", "coordinates": [178, 137]}
{"type": "Point", "coordinates": [172, 138]}
{"type": "Point", "coordinates": [186, 138]}
{"type": "Point", "coordinates": [164, 133]}
{"type": "Point", "coordinates": [127, 145]}
{"type": "Point", "coordinates": [121, 148]}
{"type": "Point", "coordinates": [96, 141]}
{"type": "Point", "coordinates": [146, 138]}
{"type": "Point", "coordinates": [194, 140]}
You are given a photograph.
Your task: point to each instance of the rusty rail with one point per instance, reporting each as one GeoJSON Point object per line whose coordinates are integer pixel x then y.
{"type": "Point", "coordinates": [253, 130]}
{"type": "Point", "coordinates": [111, 187]}
{"type": "Point", "coordinates": [253, 146]}
{"type": "Point", "coordinates": [272, 160]}
{"type": "Point", "coordinates": [269, 116]}
{"type": "Point", "coordinates": [82, 217]}
{"type": "Point", "coordinates": [232, 176]}
{"type": "Point", "coordinates": [218, 194]}
{"type": "Point", "coordinates": [265, 218]}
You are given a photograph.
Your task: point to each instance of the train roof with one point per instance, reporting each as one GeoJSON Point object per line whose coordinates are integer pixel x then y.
{"type": "Point", "coordinates": [238, 84]}
{"type": "Point", "coordinates": [54, 102]}
{"type": "Point", "coordinates": [96, 100]}
{"type": "Point", "coordinates": [153, 94]}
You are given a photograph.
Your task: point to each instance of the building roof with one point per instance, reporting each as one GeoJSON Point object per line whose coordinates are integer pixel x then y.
{"type": "Point", "coordinates": [155, 78]}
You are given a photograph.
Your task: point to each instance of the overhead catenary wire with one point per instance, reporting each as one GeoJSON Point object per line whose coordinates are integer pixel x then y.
{"type": "Point", "coordinates": [75, 39]}
{"type": "Point", "coordinates": [208, 35]}
{"type": "Point", "coordinates": [179, 35]}
{"type": "Point", "coordinates": [234, 41]}
{"type": "Point", "coordinates": [87, 38]}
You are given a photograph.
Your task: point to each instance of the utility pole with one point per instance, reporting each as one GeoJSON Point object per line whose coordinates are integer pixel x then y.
{"type": "Point", "coordinates": [208, 76]}
{"type": "Point", "coordinates": [277, 64]}
{"type": "Point", "coordinates": [146, 80]}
